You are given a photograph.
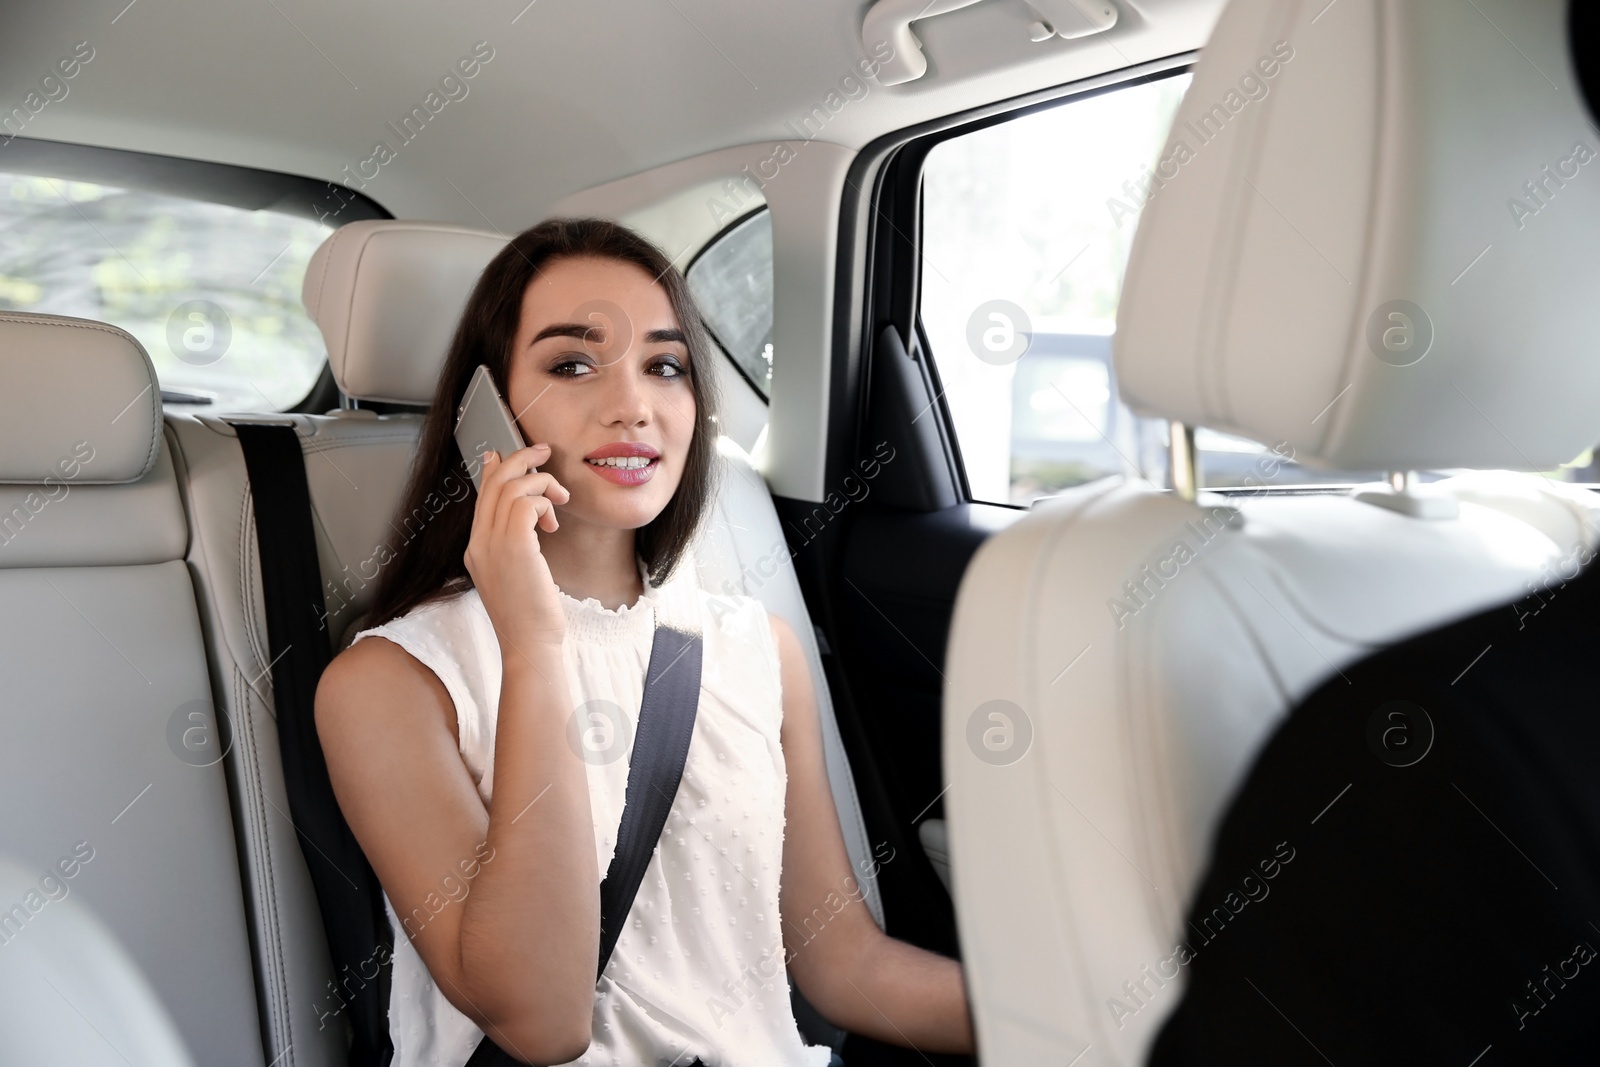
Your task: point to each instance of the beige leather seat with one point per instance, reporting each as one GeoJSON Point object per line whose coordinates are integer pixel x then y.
{"type": "Point", "coordinates": [355, 466]}
{"type": "Point", "coordinates": [1119, 656]}
{"type": "Point", "coordinates": [111, 773]}
{"type": "Point", "coordinates": [387, 296]}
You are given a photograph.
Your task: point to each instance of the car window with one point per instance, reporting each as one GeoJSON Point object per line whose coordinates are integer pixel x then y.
{"type": "Point", "coordinates": [211, 291]}
{"type": "Point", "coordinates": [731, 280]}
{"type": "Point", "coordinates": [1027, 226]}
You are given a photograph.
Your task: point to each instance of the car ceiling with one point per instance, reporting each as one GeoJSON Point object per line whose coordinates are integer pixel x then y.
{"type": "Point", "coordinates": [576, 94]}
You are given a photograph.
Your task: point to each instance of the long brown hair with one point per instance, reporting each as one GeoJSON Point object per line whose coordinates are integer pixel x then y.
{"type": "Point", "coordinates": [434, 522]}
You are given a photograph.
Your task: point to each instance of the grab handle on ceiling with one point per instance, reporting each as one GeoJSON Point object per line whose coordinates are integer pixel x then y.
{"type": "Point", "coordinates": [889, 21]}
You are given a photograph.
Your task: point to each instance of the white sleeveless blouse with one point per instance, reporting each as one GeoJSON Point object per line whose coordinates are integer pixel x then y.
{"type": "Point", "coordinates": [698, 970]}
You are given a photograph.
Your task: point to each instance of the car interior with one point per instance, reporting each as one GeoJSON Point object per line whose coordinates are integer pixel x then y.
{"type": "Point", "coordinates": [1097, 380]}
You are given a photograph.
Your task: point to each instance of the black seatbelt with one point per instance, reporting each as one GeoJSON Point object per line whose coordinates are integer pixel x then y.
{"type": "Point", "coordinates": [348, 893]}
{"type": "Point", "coordinates": [660, 747]}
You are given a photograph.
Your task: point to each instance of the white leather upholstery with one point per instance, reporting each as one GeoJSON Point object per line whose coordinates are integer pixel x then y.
{"type": "Point", "coordinates": [1147, 646]}
{"type": "Point", "coordinates": [78, 403]}
{"type": "Point", "coordinates": [387, 295]}
{"type": "Point", "coordinates": [1387, 155]}
{"type": "Point", "coordinates": [105, 684]}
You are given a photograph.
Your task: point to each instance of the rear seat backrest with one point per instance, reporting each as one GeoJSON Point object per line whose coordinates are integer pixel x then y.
{"type": "Point", "coordinates": [109, 766]}
{"type": "Point", "coordinates": [355, 469]}
{"type": "Point", "coordinates": [387, 296]}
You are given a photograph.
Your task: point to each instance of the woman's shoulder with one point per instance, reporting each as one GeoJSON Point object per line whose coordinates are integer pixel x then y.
{"type": "Point", "coordinates": [434, 645]}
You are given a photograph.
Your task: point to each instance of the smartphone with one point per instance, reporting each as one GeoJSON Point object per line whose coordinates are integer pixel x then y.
{"type": "Point", "coordinates": [484, 424]}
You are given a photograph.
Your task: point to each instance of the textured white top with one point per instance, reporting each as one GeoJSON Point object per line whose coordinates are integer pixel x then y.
{"type": "Point", "coordinates": [698, 970]}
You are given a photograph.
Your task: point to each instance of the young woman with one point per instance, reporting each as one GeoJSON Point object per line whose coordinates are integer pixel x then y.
{"type": "Point", "coordinates": [477, 733]}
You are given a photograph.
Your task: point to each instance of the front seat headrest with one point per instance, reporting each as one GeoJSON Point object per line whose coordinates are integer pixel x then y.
{"type": "Point", "coordinates": [387, 295]}
{"type": "Point", "coordinates": [79, 403]}
{"type": "Point", "coordinates": [1371, 235]}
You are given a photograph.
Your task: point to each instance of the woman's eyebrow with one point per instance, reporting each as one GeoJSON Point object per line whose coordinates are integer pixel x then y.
{"type": "Point", "coordinates": [580, 331]}
{"type": "Point", "coordinates": [564, 329]}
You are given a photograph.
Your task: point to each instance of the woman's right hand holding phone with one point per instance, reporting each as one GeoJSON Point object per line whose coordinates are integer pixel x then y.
{"type": "Point", "coordinates": [503, 555]}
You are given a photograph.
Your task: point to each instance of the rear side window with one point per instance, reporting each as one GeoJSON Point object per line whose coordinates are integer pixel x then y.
{"type": "Point", "coordinates": [732, 282]}
{"type": "Point", "coordinates": [211, 291]}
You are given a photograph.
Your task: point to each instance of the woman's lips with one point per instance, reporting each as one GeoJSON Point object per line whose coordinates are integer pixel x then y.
{"type": "Point", "coordinates": [624, 462]}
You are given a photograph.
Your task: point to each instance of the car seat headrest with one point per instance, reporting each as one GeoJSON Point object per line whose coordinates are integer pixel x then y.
{"type": "Point", "coordinates": [79, 403]}
{"type": "Point", "coordinates": [1370, 235]}
{"type": "Point", "coordinates": [387, 295]}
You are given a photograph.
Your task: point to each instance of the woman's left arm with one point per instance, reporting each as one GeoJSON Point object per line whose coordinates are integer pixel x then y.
{"type": "Point", "coordinates": [859, 978]}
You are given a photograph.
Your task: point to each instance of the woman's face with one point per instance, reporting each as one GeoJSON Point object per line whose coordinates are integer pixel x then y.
{"type": "Point", "coordinates": [599, 370]}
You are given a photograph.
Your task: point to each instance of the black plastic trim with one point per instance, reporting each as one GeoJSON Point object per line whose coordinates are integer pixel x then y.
{"type": "Point", "coordinates": [323, 397]}
{"type": "Point", "coordinates": [720, 234]}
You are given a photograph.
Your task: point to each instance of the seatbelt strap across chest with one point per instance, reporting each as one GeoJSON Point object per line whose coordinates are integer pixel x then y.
{"type": "Point", "coordinates": [660, 748]}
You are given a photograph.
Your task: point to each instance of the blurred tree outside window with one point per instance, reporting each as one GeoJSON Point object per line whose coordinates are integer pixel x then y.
{"type": "Point", "coordinates": [211, 291]}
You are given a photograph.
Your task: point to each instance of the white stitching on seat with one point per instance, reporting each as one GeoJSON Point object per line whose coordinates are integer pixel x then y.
{"type": "Point", "coordinates": [265, 896]}
{"type": "Point", "coordinates": [282, 1007]}
{"type": "Point", "coordinates": [246, 588]}
{"type": "Point", "coordinates": [322, 276]}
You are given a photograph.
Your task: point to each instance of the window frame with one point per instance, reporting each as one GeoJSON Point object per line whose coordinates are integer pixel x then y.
{"type": "Point", "coordinates": [712, 333]}
{"type": "Point", "coordinates": [878, 280]}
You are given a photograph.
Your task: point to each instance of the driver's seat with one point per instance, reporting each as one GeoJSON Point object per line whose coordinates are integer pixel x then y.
{"type": "Point", "coordinates": [1354, 269]}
